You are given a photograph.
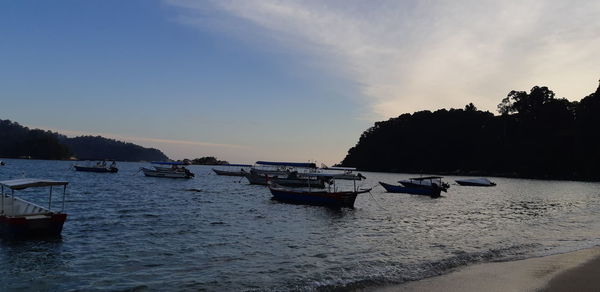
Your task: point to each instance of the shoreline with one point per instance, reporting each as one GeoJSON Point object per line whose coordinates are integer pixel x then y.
{"type": "Point", "coordinates": [572, 271]}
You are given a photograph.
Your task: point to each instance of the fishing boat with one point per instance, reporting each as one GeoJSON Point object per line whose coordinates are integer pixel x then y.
{"type": "Point", "coordinates": [288, 179]}
{"type": "Point", "coordinates": [20, 218]}
{"type": "Point", "coordinates": [287, 173]}
{"type": "Point", "coordinates": [476, 182]}
{"type": "Point", "coordinates": [430, 191]}
{"type": "Point", "coordinates": [241, 172]}
{"type": "Point", "coordinates": [429, 186]}
{"type": "Point", "coordinates": [330, 197]}
{"type": "Point", "coordinates": [175, 170]}
{"type": "Point", "coordinates": [346, 171]}
{"type": "Point", "coordinates": [275, 168]}
{"type": "Point", "coordinates": [100, 166]}
{"type": "Point", "coordinates": [426, 181]}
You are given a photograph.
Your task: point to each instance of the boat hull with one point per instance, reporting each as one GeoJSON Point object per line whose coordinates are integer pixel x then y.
{"type": "Point", "coordinates": [50, 225]}
{"type": "Point", "coordinates": [481, 182]}
{"type": "Point", "coordinates": [320, 198]}
{"type": "Point", "coordinates": [229, 173]}
{"type": "Point", "coordinates": [96, 169]}
{"type": "Point", "coordinates": [167, 174]}
{"type": "Point", "coordinates": [425, 191]}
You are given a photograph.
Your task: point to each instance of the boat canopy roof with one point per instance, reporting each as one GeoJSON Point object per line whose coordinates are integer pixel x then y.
{"type": "Point", "coordinates": [293, 164]}
{"type": "Point", "coordinates": [335, 176]}
{"type": "Point", "coordinates": [239, 165]}
{"type": "Point", "coordinates": [168, 163]}
{"type": "Point", "coordinates": [426, 177]}
{"type": "Point", "coordinates": [23, 183]}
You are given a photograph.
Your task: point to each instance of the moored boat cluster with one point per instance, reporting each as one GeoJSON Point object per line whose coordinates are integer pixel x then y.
{"type": "Point", "coordinates": [290, 182]}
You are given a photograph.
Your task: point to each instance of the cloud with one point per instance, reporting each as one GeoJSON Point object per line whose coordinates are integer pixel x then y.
{"type": "Point", "coordinates": [135, 139]}
{"type": "Point", "coordinates": [413, 55]}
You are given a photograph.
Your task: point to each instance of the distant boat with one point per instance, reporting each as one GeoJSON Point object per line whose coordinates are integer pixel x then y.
{"type": "Point", "coordinates": [426, 181]}
{"type": "Point", "coordinates": [289, 179]}
{"type": "Point", "coordinates": [241, 172]}
{"type": "Point", "coordinates": [20, 218]}
{"type": "Point", "coordinates": [329, 197]}
{"type": "Point", "coordinates": [98, 167]}
{"type": "Point", "coordinates": [476, 182]}
{"type": "Point", "coordinates": [286, 173]}
{"type": "Point", "coordinates": [429, 186]}
{"type": "Point", "coordinates": [272, 168]}
{"type": "Point", "coordinates": [2, 163]}
{"type": "Point", "coordinates": [176, 170]}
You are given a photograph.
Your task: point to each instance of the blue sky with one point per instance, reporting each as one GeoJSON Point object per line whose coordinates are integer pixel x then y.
{"type": "Point", "coordinates": [280, 80]}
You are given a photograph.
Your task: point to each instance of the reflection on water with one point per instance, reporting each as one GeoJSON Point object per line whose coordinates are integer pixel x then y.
{"type": "Point", "coordinates": [126, 231]}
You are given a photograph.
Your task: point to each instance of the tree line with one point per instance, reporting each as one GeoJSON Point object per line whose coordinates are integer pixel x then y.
{"type": "Point", "coordinates": [17, 141]}
{"type": "Point", "coordinates": [535, 135]}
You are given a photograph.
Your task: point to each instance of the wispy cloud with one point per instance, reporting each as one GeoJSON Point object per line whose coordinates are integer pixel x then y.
{"type": "Point", "coordinates": [411, 55]}
{"type": "Point", "coordinates": [135, 139]}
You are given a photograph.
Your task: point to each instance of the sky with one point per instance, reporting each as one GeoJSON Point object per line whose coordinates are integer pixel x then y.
{"type": "Point", "coordinates": [279, 80]}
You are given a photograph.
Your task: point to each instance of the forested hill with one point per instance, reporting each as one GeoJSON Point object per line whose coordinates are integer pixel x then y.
{"type": "Point", "coordinates": [96, 147]}
{"type": "Point", "coordinates": [536, 135]}
{"type": "Point", "coordinates": [17, 141]}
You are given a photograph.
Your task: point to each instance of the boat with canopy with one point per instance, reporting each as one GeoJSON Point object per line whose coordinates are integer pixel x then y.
{"type": "Point", "coordinates": [331, 197]}
{"type": "Point", "coordinates": [175, 170]}
{"type": "Point", "coordinates": [20, 218]}
{"type": "Point", "coordinates": [428, 185]}
{"type": "Point", "coordinates": [100, 166]}
{"type": "Point", "coordinates": [290, 174]}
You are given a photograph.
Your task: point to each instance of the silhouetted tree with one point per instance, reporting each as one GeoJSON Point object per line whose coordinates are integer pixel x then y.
{"type": "Point", "coordinates": [536, 135]}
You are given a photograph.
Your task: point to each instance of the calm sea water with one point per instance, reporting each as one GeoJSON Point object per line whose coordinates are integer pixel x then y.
{"type": "Point", "coordinates": [130, 232]}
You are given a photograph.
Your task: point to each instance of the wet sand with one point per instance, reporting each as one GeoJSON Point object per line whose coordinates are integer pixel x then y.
{"type": "Point", "coordinates": [574, 271]}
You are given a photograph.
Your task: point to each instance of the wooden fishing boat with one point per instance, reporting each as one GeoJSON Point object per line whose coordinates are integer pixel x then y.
{"type": "Point", "coordinates": [475, 182]}
{"type": "Point", "coordinates": [98, 167]}
{"type": "Point", "coordinates": [22, 219]}
{"type": "Point", "coordinates": [330, 197]}
{"type": "Point", "coordinates": [176, 170]}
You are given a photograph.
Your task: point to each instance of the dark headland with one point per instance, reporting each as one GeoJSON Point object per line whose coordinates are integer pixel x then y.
{"type": "Point", "coordinates": [535, 135]}
{"type": "Point", "coordinates": [17, 141]}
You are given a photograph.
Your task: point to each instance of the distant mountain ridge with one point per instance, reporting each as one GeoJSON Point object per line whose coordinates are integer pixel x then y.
{"type": "Point", "coordinates": [536, 136]}
{"type": "Point", "coordinates": [17, 141]}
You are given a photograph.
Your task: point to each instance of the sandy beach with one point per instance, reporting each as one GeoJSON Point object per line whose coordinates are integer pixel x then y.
{"type": "Point", "coordinates": [574, 271]}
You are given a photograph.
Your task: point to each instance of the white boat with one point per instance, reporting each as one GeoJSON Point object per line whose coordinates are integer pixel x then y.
{"type": "Point", "coordinates": [176, 170]}
{"type": "Point", "coordinates": [476, 182]}
{"type": "Point", "coordinates": [20, 218]}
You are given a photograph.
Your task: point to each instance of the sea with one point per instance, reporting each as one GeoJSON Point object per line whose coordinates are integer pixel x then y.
{"type": "Point", "coordinates": [127, 232]}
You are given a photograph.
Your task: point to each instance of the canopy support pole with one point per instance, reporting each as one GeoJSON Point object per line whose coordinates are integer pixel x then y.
{"type": "Point", "coordinates": [63, 202]}
{"type": "Point", "coordinates": [50, 199]}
